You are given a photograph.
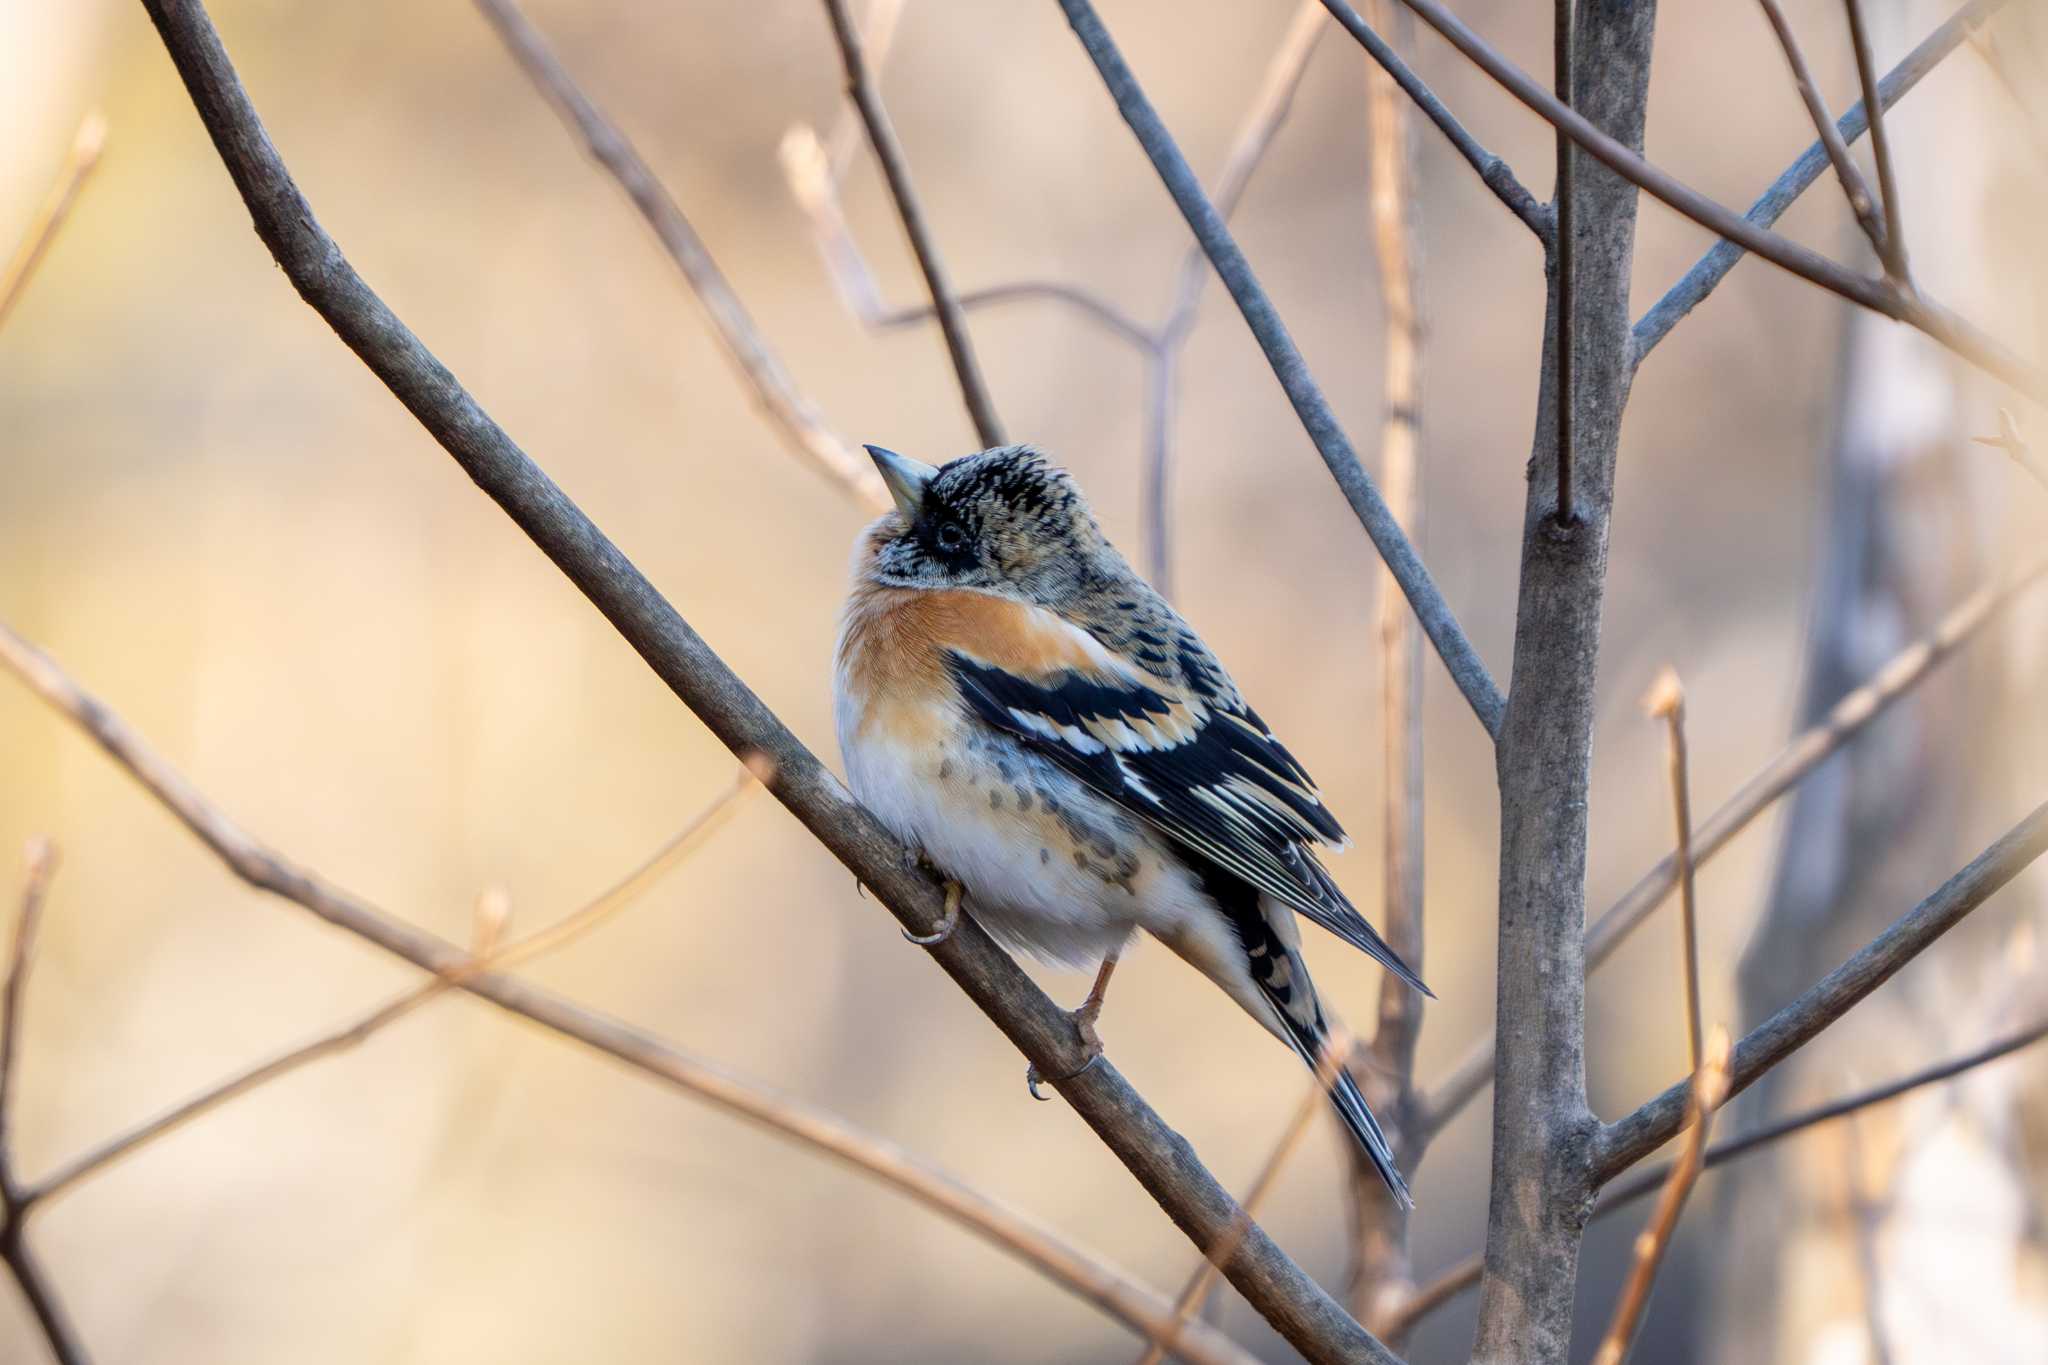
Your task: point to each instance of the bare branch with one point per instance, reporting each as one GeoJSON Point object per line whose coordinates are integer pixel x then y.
{"type": "Point", "coordinates": [86, 145]}
{"type": "Point", "coordinates": [791, 411]}
{"type": "Point", "coordinates": [1880, 295]}
{"type": "Point", "coordinates": [1196, 1291]}
{"type": "Point", "coordinates": [1629, 1140]}
{"type": "Point", "coordinates": [66, 1347]}
{"type": "Point", "coordinates": [1713, 267]}
{"type": "Point", "coordinates": [1288, 366]}
{"type": "Point", "coordinates": [1642, 1182]}
{"type": "Point", "coordinates": [877, 36]}
{"type": "Point", "coordinates": [264, 868]}
{"type": "Point", "coordinates": [41, 862]}
{"type": "Point", "coordinates": [1806, 751]}
{"type": "Point", "coordinates": [1463, 1274]}
{"type": "Point", "coordinates": [1853, 187]}
{"type": "Point", "coordinates": [1667, 702]}
{"type": "Point", "coordinates": [1381, 1269]}
{"type": "Point", "coordinates": [896, 171]}
{"type": "Point", "coordinates": [1561, 256]}
{"type": "Point", "coordinates": [1493, 172]}
{"type": "Point", "coordinates": [2014, 444]}
{"type": "Point", "coordinates": [1893, 248]}
{"type": "Point", "coordinates": [807, 167]}
{"type": "Point", "coordinates": [1709, 1088]}
{"type": "Point", "coordinates": [484, 956]}
{"type": "Point", "coordinates": [1161, 1160]}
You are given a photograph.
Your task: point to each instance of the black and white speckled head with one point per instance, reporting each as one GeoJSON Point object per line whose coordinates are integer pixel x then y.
{"type": "Point", "coordinates": [1005, 521]}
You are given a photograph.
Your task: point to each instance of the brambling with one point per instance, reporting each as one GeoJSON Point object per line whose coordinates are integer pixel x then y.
{"type": "Point", "coordinates": [1013, 700]}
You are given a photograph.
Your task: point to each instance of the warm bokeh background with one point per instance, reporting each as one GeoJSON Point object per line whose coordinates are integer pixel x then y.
{"type": "Point", "coordinates": [223, 525]}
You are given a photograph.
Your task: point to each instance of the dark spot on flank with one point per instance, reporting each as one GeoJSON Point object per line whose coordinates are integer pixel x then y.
{"type": "Point", "coordinates": [1007, 769]}
{"type": "Point", "coordinates": [1044, 857]}
{"type": "Point", "coordinates": [945, 769]}
{"type": "Point", "coordinates": [1023, 799]}
{"type": "Point", "coordinates": [1103, 847]}
{"type": "Point", "coordinates": [1080, 860]}
{"type": "Point", "coordinates": [995, 799]}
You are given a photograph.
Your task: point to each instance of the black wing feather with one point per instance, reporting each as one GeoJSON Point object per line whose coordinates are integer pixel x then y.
{"type": "Point", "coordinates": [1228, 790]}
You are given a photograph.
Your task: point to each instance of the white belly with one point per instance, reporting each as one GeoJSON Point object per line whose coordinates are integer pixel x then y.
{"type": "Point", "coordinates": [1047, 865]}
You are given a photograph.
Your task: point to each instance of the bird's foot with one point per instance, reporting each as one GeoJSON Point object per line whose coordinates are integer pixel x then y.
{"type": "Point", "coordinates": [1083, 1020]}
{"type": "Point", "coordinates": [947, 925]}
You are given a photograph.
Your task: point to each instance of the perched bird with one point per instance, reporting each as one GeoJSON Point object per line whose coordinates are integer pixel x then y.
{"type": "Point", "coordinates": [1016, 702]}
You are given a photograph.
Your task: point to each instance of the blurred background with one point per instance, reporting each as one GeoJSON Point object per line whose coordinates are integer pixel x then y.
{"type": "Point", "coordinates": [227, 529]}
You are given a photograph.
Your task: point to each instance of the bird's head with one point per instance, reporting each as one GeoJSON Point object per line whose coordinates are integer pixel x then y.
{"type": "Point", "coordinates": [1005, 521]}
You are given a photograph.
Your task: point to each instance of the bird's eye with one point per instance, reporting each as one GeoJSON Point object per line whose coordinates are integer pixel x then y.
{"type": "Point", "coordinates": [950, 537]}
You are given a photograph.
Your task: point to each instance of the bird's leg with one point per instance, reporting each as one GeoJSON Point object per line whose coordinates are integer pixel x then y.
{"type": "Point", "coordinates": [947, 925]}
{"type": "Point", "coordinates": [1084, 1024]}
{"type": "Point", "coordinates": [1091, 1006]}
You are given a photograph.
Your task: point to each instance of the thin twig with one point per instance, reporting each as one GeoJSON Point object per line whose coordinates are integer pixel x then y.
{"type": "Point", "coordinates": [1884, 295]}
{"type": "Point", "coordinates": [1628, 1140]}
{"type": "Point", "coordinates": [767, 378]}
{"type": "Point", "coordinates": [1196, 1291]}
{"type": "Point", "coordinates": [1806, 752]}
{"type": "Point", "coordinates": [1707, 273]}
{"type": "Point", "coordinates": [1463, 1274]}
{"type": "Point", "coordinates": [896, 171]}
{"type": "Point", "coordinates": [483, 957]}
{"type": "Point", "coordinates": [1380, 1266]}
{"type": "Point", "coordinates": [1289, 367]}
{"type": "Point", "coordinates": [84, 154]}
{"type": "Point", "coordinates": [66, 1347]}
{"type": "Point", "coordinates": [1493, 172]}
{"type": "Point", "coordinates": [1853, 186]}
{"type": "Point", "coordinates": [1709, 1088]}
{"type": "Point", "coordinates": [1666, 702]}
{"type": "Point", "coordinates": [807, 169]}
{"type": "Point", "coordinates": [877, 36]}
{"type": "Point", "coordinates": [1030, 1241]}
{"type": "Point", "coordinates": [2014, 444]}
{"type": "Point", "coordinates": [1893, 249]}
{"type": "Point", "coordinates": [1561, 205]}
{"type": "Point", "coordinates": [813, 180]}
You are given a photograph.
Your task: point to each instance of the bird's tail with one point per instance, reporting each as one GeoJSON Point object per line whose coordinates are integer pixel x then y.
{"type": "Point", "coordinates": [1292, 996]}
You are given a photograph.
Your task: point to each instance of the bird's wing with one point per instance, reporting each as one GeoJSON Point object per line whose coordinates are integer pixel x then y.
{"type": "Point", "coordinates": [1189, 757]}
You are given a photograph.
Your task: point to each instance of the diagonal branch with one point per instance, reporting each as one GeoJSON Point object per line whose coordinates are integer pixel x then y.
{"type": "Point", "coordinates": [84, 154]}
{"type": "Point", "coordinates": [1807, 751]}
{"type": "Point", "coordinates": [1289, 367]}
{"type": "Point", "coordinates": [1884, 296]}
{"type": "Point", "coordinates": [1462, 1275]}
{"type": "Point", "coordinates": [482, 958]}
{"type": "Point", "coordinates": [1713, 267]}
{"type": "Point", "coordinates": [1628, 1140]}
{"type": "Point", "coordinates": [1495, 173]}
{"type": "Point", "coordinates": [1161, 1159]}
{"type": "Point", "coordinates": [896, 170]}
{"type": "Point", "coordinates": [66, 1348]}
{"type": "Point", "coordinates": [268, 870]}
{"type": "Point", "coordinates": [786, 405]}
{"type": "Point", "coordinates": [1853, 186]}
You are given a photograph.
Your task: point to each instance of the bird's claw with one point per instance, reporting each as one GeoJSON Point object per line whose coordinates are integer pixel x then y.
{"type": "Point", "coordinates": [947, 925]}
{"type": "Point", "coordinates": [1084, 1027]}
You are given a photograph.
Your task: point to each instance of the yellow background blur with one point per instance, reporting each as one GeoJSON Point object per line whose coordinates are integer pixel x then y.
{"type": "Point", "coordinates": [217, 519]}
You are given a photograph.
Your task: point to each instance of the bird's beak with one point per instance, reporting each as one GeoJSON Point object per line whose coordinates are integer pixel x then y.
{"type": "Point", "coordinates": [906, 479]}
